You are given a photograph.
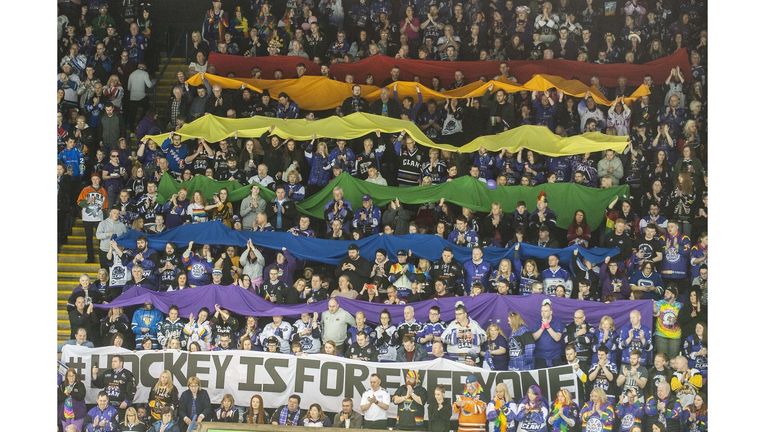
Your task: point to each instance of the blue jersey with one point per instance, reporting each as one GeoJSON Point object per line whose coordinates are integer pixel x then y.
{"type": "Point", "coordinates": [470, 238]}
{"type": "Point", "coordinates": [198, 270]}
{"type": "Point", "coordinates": [150, 319]}
{"type": "Point", "coordinates": [675, 262]}
{"type": "Point", "coordinates": [646, 349]}
{"type": "Point", "coordinates": [652, 280]}
{"type": "Point", "coordinates": [546, 347]}
{"type": "Point", "coordinates": [175, 156]}
{"type": "Point", "coordinates": [486, 164]}
{"type": "Point", "coordinates": [691, 346]}
{"type": "Point", "coordinates": [435, 329]}
{"type": "Point", "coordinates": [552, 278]}
{"type": "Point", "coordinates": [476, 273]}
{"type": "Point", "coordinates": [73, 160]}
{"type": "Point", "coordinates": [561, 167]}
{"type": "Point", "coordinates": [520, 348]}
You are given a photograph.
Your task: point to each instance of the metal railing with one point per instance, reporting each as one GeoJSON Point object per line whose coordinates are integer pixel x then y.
{"type": "Point", "coordinates": [172, 48]}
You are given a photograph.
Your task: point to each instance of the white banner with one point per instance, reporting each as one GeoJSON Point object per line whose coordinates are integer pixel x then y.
{"type": "Point", "coordinates": [316, 378]}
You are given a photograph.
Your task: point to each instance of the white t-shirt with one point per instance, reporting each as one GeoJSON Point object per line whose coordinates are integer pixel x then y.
{"type": "Point", "coordinates": [375, 412]}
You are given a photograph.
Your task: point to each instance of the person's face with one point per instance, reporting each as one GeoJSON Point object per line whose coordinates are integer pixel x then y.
{"type": "Point", "coordinates": [570, 355]}
{"type": "Point", "coordinates": [333, 306]}
{"type": "Point", "coordinates": [553, 261]}
{"type": "Point", "coordinates": [102, 402]}
{"type": "Point", "coordinates": [375, 382]}
{"type": "Point", "coordinates": [546, 311]}
{"type": "Point", "coordinates": [601, 356]}
{"type": "Point", "coordinates": [579, 317]}
{"type": "Point", "coordinates": [477, 254]}
{"type": "Point", "coordinates": [361, 339]}
{"type": "Point", "coordinates": [116, 363]}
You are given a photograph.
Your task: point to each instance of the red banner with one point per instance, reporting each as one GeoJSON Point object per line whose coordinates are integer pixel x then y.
{"type": "Point", "coordinates": [380, 66]}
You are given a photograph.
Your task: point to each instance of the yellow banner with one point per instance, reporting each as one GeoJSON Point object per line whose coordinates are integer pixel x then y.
{"type": "Point", "coordinates": [317, 93]}
{"type": "Point", "coordinates": [537, 138]}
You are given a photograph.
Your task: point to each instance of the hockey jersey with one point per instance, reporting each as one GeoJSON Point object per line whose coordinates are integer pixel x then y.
{"type": "Point", "coordinates": [472, 417]}
{"type": "Point", "coordinates": [554, 277]}
{"type": "Point", "coordinates": [675, 257]}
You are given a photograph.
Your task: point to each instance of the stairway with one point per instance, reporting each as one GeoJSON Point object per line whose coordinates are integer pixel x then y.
{"type": "Point", "coordinates": [164, 87]}
{"type": "Point", "coordinates": [71, 264]}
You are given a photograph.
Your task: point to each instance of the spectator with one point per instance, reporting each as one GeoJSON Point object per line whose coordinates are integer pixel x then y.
{"type": "Point", "coordinates": [548, 338]}
{"type": "Point", "coordinates": [348, 418]}
{"type": "Point", "coordinates": [464, 337]}
{"type": "Point", "coordinates": [194, 404]}
{"type": "Point", "coordinates": [374, 403]}
{"type": "Point", "coordinates": [334, 325]}
{"type": "Point", "coordinates": [410, 399]}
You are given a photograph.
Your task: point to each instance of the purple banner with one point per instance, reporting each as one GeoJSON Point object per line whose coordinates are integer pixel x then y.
{"type": "Point", "coordinates": [485, 308]}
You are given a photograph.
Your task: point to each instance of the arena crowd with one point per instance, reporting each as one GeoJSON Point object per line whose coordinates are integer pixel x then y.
{"type": "Point", "coordinates": [634, 377]}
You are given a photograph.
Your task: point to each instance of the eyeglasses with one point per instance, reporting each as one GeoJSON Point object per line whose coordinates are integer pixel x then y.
{"type": "Point", "coordinates": [113, 156]}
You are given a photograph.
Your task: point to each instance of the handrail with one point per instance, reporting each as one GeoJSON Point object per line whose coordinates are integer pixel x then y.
{"type": "Point", "coordinates": [170, 53]}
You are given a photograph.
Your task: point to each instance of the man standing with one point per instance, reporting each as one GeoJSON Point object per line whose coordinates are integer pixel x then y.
{"type": "Point", "coordinates": [355, 267]}
{"type": "Point", "coordinates": [374, 404]}
{"type": "Point", "coordinates": [581, 335]}
{"type": "Point", "coordinates": [282, 211]}
{"type": "Point", "coordinates": [138, 84]}
{"type": "Point", "coordinates": [464, 336]}
{"type": "Point", "coordinates": [431, 330]}
{"type": "Point", "coordinates": [548, 338]}
{"type": "Point", "coordinates": [108, 229]}
{"type": "Point", "coordinates": [335, 322]}
{"type": "Point", "coordinates": [348, 418]}
{"type": "Point", "coordinates": [603, 373]}
{"type": "Point", "coordinates": [93, 200]}
{"type": "Point", "coordinates": [633, 375]}
{"type": "Point", "coordinates": [668, 332]}
{"type": "Point", "coordinates": [635, 337]}
{"type": "Point", "coordinates": [555, 275]}
{"type": "Point", "coordinates": [477, 270]}
{"type": "Point", "coordinates": [410, 399]}
{"type": "Point", "coordinates": [118, 383]}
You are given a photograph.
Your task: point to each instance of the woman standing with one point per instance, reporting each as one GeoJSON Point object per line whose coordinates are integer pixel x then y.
{"type": "Point", "coordinates": [255, 412]}
{"type": "Point", "coordinates": [497, 349]}
{"type": "Point", "coordinates": [579, 232]}
{"type": "Point", "coordinates": [564, 412]}
{"type": "Point", "coordinates": [695, 349]}
{"type": "Point", "coordinates": [692, 313]}
{"type": "Point", "coordinates": [194, 404]}
{"type": "Point", "coordinates": [386, 338]}
{"type": "Point", "coordinates": [71, 397]}
{"type": "Point", "coordinates": [606, 335]}
{"type": "Point", "coordinates": [597, 414]}
{"type": "Point", "coordinates": [532, 412]}
{"type": "Point", "coordinates": [504, 272]}
{"type": "Point", "coordinates": [163, 394]}
{"type": "Point", "coordinates": [196, 209]}
{"type": "Point", "coordinates": [439, 411]}
{"type": "Point", "coordinates": [682, 202]}
{"type": "Point", "coordinates": [521, 344]}
{"type": "Point", "coordinates": [500, 410]}
{"type": "Point", "coordinates": [222, 209]}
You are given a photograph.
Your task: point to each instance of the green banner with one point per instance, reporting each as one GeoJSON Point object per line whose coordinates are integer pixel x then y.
{"type": "Point", "coordinates": [564, 198]}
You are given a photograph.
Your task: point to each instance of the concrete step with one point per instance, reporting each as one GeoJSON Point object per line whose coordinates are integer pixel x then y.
{"type": "Point", "coordinates": [80, 239]}
{"type": "Point", "coordinates": [70, 248]}
{"type": "Point", "coordinates": [72, 257]}
{"type": "Point", "coordinates": [71, 277]}
{"type": "Point", "coordinates": [82, 267]}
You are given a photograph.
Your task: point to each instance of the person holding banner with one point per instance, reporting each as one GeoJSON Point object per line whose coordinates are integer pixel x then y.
{"type": "Point", "coordinates": [374, 404]}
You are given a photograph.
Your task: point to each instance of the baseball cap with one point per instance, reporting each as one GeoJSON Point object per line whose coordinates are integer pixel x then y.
{"type": "Point", "coordinates": [366, 197]}
{"type": "Point", "coordinates": [402, 252]}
